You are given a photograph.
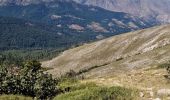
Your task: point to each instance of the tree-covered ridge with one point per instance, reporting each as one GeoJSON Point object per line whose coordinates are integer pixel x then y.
{"type": "Point", "coordinates": [61, 24]}
{"type": "Point", "coordinates": [19, 34]}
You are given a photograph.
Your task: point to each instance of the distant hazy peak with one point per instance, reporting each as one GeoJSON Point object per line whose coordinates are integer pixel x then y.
{"type": "Point", "coordinates": [144, 8]}
{"type": "Point", "coordinates": [22, 2]}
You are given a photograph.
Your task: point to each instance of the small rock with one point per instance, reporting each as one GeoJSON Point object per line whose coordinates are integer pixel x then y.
{"type": "Point", "coordinates": [151, 94]}
{"type": "Point", "coordinates": [163, 92]}
{"type": "Point", "coordinates": [149, 89]}
{"type": "Point", "coordinates": [141, 94]}
{"type": "Point", "coordinates": [157, 99]}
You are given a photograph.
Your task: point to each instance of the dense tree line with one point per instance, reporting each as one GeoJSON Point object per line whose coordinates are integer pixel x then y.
{"type": "Point", "coordinates": [16, 57]}
{"type": "Point", "coordinates": [21, 34]}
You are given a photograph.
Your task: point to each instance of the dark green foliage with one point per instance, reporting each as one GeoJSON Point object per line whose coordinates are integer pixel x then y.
{"type": "Point", "coordinates": [18, 34]}
{"type": "Point", "coordinates": [10, 59]}
{"type": "Point", "coordinates": [3, 74]}
{"type": "Point", "coordinates": [29, 81]}
{"type": "Point", "coordinates": [45, 86]}
{"type": "Point", "coordinates": [16, 57]}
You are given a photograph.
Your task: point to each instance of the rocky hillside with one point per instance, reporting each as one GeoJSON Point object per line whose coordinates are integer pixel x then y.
{"type": "Point", "coordinates": [121, 53]}
{"type": "Point", "coordinates": [158, 9]}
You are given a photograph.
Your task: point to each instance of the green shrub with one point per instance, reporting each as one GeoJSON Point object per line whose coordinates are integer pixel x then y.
{"type": "Point", "coordinates": [45, 87]}
{"type": "Point", "coordinates": [29, 81]}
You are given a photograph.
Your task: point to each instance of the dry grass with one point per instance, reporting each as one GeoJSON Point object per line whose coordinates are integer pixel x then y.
{"type": "Point", "coordinates": [144, 80]}
{"type": "Point", "coordinates": [14, 97]}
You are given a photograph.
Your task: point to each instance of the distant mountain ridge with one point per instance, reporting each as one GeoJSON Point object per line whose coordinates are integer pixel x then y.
{"type": "Point", "coordinates": [22, 2]}
{"type": "Point", "coordinates": [73, 22]}
{"type": "Point", "coordinates": [159, 9]}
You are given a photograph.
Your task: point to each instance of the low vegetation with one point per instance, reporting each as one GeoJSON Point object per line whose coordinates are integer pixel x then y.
{"type": "Point", "coordinates": [16, 57]}
{"type": "Point", "coordinates": [14, 97]}
{"type": "Point", "coordinates": [91, 91]}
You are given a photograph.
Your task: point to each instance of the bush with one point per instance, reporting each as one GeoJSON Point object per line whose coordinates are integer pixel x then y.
{"type": "Point", "coordinates": [75, 90]}
{"type": "Point", "coordinates": [45, 87]}
{"type": "Point", "coordinates": [29, 81]}
{"type": "Point", "coordinates": [94, 92]}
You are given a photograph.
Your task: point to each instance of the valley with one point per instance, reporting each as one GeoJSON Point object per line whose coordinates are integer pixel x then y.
{"type": "Point", "coordinates": [84, 50]}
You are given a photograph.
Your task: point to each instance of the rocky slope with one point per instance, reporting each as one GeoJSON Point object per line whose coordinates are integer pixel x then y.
{"type": "Point", "coordinates": [158, 9]}
{"type": "Point", "coordinates": [118, 54]}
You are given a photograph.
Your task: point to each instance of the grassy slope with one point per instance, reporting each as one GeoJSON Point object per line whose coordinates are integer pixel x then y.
{"type": "Point", "coordinates": [147, 80]}
{"type": "Point", "coordinates": [124, 52]}
{"type": "Point", "coordinates": [91, 91]}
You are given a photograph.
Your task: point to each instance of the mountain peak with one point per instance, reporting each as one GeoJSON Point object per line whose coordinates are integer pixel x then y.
{"type": "Point", "coordinates": [23, 2]}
